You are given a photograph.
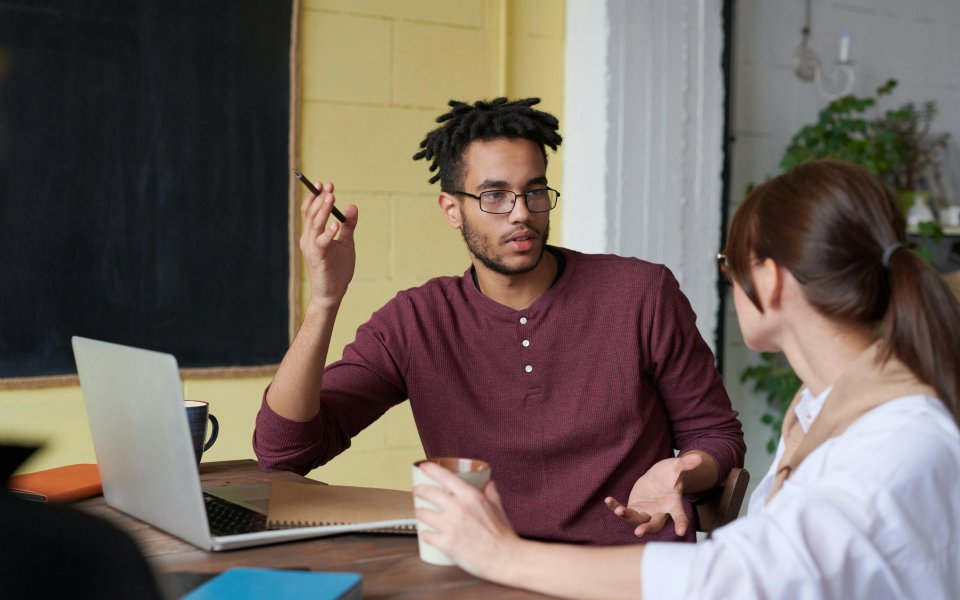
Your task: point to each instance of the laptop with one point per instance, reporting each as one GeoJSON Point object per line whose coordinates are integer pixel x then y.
{"type": "Point", "coordinates": [141, 437]}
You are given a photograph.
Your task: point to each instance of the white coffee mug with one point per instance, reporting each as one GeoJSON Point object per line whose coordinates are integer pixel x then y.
{"type": "Point", "coordinates": [474, 472]}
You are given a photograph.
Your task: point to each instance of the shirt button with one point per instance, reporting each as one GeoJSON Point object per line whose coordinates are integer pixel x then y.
{"type": "Point", "coordinates": [528, 368]}
{"type": "Point", "coordinates": [525, 343]}
{"type": "Point", "coordinates": [523, 320]}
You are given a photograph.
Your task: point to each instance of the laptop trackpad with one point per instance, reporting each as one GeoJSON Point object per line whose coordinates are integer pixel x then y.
{"type": "Point", "coordinates": [255, 496]}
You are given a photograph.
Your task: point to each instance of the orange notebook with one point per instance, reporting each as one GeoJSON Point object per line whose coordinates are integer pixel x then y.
{"type": "Point", "coordinates": [62, 484]}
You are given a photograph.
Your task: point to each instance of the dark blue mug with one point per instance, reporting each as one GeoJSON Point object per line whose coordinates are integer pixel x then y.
{"type": "Point", "coordinates": [197, 415]}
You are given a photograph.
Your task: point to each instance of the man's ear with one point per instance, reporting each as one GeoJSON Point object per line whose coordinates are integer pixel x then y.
{"type": "Point", "coordinates": [450, 206]}
{"type": "Point", "coordinates": [768, 281]}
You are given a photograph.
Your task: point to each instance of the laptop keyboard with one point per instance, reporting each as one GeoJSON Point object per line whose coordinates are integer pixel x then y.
{"type": "Point", "coordinates": [227, 518]}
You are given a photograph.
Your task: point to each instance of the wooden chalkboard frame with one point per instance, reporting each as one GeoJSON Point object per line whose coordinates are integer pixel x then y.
{"type": "Point", "coordinates": [294, 287]}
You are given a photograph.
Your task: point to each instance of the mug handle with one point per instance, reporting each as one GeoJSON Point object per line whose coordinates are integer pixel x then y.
{"type": "Point", "coordinates": [213, 433]}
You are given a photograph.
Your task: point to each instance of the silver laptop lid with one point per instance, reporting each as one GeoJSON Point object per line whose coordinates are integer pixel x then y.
{"type": "Point", "coordinates": [141, 437]}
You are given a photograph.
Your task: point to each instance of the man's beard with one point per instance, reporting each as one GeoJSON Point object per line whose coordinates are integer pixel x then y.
{"type": "Point", "coordinates": [480, 247]}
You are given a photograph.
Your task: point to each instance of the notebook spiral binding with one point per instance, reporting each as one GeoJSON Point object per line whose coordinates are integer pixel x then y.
{"type": "Point", "coordinates": [396, 529]}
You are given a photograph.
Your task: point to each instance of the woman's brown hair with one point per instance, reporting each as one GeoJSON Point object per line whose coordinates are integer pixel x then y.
{"type": "Point", "coordinates": [832, 224]}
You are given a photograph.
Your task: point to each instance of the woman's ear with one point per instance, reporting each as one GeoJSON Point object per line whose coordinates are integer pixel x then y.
{"type": "Point", "coordinates": [451, 209]}
{"type": "Point", "coordinates": [768, 281]}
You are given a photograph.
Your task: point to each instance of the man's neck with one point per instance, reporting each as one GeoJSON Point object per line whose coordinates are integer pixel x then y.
{"type": "Point", "coordinates": [517, 291]}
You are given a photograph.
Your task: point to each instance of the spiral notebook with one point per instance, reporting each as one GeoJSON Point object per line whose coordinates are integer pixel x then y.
{"type": "Point", "coordinates": [309, 505]}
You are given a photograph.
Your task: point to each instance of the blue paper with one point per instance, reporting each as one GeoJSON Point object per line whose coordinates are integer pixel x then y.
{"type": "Point", "coordinates": [245, 583]}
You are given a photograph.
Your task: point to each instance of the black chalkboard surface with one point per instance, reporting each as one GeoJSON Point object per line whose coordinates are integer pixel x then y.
{"type": "Point", "coordinates": [144, 176]}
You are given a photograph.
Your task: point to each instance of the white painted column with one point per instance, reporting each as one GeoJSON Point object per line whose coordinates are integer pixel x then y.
{"type": "Point", "coordinates": [643, 124]}
{"type": "Point", "coordinates": [585, 126]}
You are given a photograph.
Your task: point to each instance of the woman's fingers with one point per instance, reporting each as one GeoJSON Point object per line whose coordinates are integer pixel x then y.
{"type": "Point", "coordinates": [432, 494]}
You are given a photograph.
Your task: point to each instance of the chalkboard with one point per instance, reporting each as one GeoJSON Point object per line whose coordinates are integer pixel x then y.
{"type": "Point", "coordinates": [144, 180]}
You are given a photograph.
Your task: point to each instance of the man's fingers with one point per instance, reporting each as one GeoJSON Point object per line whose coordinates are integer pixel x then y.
{"type": "Point", "coordinates": [680, 523]}
{"type": "Point", "coordinates": [352, 215]}
{"type": "Point", "coordinates": [634, 517]}
{"type": "Point", "coordinates": [658, 522]}
{"type": "Point", "coordinates": [311, 202]}
{"type": "Point", "coordinates": [316, 211]}
{"type": "Point", "coordinates": [624, 511]}
{"type": "Point", "coordinates": [654, 525]}
{"type": "Point", "coordinates": [618, 509]}
{"type": "Point", "coordinates": [311, 224]}
{"type": "Point", "coordinates": [321, 213]}
{"type": "Point", "coordinates": [690, 461]}
{"type": "Point", "coordinates": [612, 504]}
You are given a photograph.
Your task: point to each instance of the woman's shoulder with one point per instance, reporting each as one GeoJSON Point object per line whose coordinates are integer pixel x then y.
{"type": "Point", "coordinates": [898, 444]}
{"type": "Point", "coordinates": [900, 459]}
{"type": "Point", "coordinates": [909, 420]}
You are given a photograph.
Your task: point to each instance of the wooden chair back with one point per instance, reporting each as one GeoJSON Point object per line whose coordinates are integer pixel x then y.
{"type": "Point", "coordinates": [722, 504]}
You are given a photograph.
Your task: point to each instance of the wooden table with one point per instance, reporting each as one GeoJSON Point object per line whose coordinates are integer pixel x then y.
{"type": "Point", "coordinates": [390, 564]}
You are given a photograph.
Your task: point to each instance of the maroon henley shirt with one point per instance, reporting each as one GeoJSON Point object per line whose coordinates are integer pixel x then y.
{"type": "Point", "coordinates": [570, 400]}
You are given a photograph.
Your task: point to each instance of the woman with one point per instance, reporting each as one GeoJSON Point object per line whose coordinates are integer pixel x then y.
{"type": "Point", "coordinates": [863, 497]}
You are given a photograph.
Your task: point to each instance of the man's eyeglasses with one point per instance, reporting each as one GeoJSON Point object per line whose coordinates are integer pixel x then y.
{"type": "Point", "coordinates": [724, 268]}
{"type": "Point", "coordinates": [500, 202]}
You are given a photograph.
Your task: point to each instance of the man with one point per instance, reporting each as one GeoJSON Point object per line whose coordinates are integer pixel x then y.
{"type": "Point", "coordinates": [573, 375]}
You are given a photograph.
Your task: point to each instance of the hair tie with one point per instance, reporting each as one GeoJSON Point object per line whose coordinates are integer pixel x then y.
{"type": "Point", "coordinates": [887, 252]}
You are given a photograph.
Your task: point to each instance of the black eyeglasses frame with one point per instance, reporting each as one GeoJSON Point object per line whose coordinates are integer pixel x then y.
{"type": "Point", "coordinates": [554, 197]}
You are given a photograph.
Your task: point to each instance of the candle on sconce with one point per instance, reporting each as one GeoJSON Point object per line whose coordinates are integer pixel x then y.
{"type": "Point", "coordinates": [845, 47]}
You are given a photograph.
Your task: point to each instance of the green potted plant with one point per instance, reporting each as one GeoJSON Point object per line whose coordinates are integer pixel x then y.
{"type": "Point", "coordinates": [895, 145]}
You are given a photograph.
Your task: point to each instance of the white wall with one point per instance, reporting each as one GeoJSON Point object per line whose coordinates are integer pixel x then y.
{"type": "Point", "coordinates": [643, 126]}
{"type": "Point", "coordinates": [641, 102]}
{"type": "Point", "coordinates": [915, 42]}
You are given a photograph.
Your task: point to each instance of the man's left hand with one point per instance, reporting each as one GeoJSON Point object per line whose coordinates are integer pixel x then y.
{"type": "Point", "coordinates": [658, 495]}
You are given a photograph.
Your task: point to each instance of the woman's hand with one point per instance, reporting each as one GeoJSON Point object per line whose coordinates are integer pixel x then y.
{"type": "Point", "coordinates": [470, 527]}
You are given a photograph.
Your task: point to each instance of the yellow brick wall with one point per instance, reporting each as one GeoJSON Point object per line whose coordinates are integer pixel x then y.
{"type": "Point", "coordinates": [374, 75]}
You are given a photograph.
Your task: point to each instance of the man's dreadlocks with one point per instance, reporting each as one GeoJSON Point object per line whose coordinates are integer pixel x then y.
{"type": "Point", "coordinates": [484, 120]}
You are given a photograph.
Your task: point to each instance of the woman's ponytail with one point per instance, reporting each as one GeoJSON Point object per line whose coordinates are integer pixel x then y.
{"type": "Point", "coordinates": [921, 325]}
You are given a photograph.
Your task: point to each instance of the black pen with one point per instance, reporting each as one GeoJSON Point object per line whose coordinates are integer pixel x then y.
{"type": "Point", "coordinates": [333, 209]}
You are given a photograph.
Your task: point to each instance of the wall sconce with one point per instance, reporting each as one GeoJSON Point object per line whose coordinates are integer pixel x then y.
{"type": "Point", "coordinates": [832, 81]}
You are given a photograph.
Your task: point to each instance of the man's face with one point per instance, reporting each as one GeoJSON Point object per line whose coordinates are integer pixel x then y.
{"type": "Point", "coordinates": [511, 243]}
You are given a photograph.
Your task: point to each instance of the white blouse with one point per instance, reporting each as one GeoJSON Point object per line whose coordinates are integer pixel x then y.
{"type": "Point", "coordinates": [873, 513]}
